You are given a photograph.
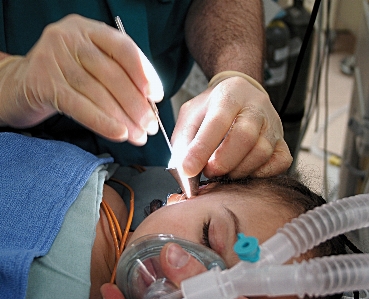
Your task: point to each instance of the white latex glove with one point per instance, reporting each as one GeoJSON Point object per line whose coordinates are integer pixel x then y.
{"type": "Point", "coordinates": [232, 129]}
{"type": "Point", "coordinates": [88, 71]}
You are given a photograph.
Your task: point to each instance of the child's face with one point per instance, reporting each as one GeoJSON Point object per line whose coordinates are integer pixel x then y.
{"type": "Point", "coordinates": [227, 212]}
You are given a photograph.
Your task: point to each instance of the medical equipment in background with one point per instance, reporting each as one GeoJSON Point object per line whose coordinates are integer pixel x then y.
{"type": "Point", "coordinates": [297, 20]}
{"type": "Point", "coordinates": [268, 276]}
{"type": "Point", "coordinates": [354, 172]}
{"type": "Point", "coordinates": [284, 40]}
{"type": "Point", "coordinates": [277, 50]}
{"type": "Point", "coordinates": [139, 274]}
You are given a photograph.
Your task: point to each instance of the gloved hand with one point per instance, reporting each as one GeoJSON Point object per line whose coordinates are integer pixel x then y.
{"type": "Point", "coordinates": [231, 128]}
{"type": "Point", "coordinates": [88, 71]}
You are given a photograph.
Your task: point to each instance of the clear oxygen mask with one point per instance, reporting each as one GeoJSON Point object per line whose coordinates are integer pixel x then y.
{"type": "Point", "coordinates": [139, 273]}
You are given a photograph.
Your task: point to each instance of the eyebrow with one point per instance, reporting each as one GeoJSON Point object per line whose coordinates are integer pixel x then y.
{"type": "Point", "coordinates": [235, 220]}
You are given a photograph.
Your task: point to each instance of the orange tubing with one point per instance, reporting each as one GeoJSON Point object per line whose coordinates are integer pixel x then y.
{"type": "Point", "coordinates": [119, 239]}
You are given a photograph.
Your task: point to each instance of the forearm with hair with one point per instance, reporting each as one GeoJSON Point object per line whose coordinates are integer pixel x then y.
{"type": "Point", "coordinates": [226, 35]}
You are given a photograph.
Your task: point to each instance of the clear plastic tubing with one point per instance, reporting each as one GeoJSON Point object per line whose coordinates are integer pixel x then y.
{"type": "Point", "coordinates": [314, 227]}
{"type": "Point", "coordinates": [316, 277]}
{"type": "Point", "coordinates": [319, 276]}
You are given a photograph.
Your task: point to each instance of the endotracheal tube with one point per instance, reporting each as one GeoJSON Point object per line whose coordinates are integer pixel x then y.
{"type": "Point", "coordinates": [319, 276]}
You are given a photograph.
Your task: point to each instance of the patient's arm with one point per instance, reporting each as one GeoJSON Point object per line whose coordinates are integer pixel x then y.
{"type": "Point", "coordinates": [103, 251]}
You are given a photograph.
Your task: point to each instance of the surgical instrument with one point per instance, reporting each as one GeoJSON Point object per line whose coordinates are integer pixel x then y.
{"type": "Point", "coordinates": [120, 26]}
{"type": "Point", "coordinates": [189, 186]}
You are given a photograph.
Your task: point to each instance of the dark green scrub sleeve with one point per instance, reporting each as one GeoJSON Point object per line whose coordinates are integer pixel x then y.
{"type": "Point", "coordinates": [157, 26]}
{"type": "Point", "coordinates": [2, 29]}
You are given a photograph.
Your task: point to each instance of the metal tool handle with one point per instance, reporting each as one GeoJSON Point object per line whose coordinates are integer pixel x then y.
{"type": "Point", "coordinates": [120, 26]}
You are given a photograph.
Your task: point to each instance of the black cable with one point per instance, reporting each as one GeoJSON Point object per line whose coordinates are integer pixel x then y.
{"type": "Point", "coordinates": [351, 246]}
{"type": "Point", "coordinates": [300, 57]}
{"type": "Point", "coordinates": [313, 99]}
{"type": "Point", "coordinates": [326, 103]}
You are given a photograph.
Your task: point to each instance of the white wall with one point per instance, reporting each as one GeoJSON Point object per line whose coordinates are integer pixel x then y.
{"type": "Point", "coordinates": [348, 15]}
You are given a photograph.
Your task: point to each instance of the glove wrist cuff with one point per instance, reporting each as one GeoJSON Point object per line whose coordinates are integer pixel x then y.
{"type": "Point", "coordinates": [9, 59]}
{"type": "Point", "coordinates": [228, 74]}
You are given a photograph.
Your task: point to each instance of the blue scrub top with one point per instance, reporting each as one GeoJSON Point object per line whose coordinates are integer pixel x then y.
{"type": "Point", "coordinates": [157, 26]}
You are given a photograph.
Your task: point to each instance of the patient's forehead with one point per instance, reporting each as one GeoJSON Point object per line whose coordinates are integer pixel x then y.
{"type": "Point", "coordinates": [229, 194]}
{"type": "Point", "coordinates": [256, 200]}
{"type": "Point", "coordinates": [231, 189]}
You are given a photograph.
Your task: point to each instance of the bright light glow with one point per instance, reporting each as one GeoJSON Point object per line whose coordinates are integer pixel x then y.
{"type": "Point", "coordinates": [155, 91]}
{"type": "Point", "coordinates": [185, 185]}
{"type": "Point", "coordinates": [183, 181]}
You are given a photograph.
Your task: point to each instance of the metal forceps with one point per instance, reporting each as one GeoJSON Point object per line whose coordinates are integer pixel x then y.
{"type": "Point", "coordinates": [120, 26]}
